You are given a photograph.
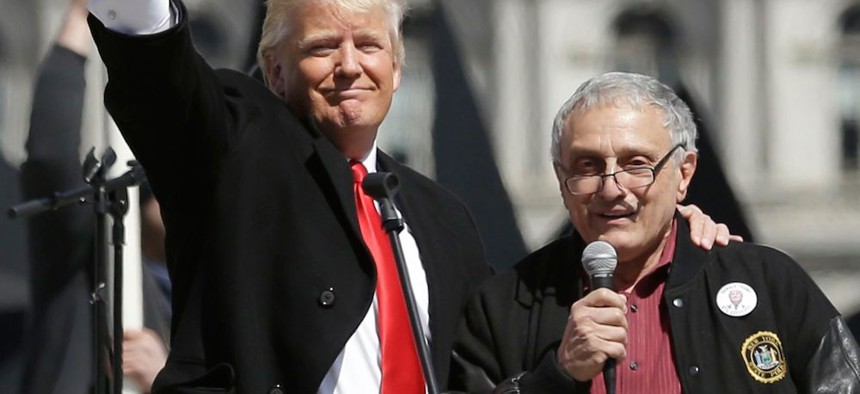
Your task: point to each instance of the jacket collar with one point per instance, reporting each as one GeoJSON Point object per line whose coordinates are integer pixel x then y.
{"type": "Point", "coordinates": [340, 175]}
{"type": "Point", "coordinates": [689, 258]}
{"type": "Point", "coordinates": [338, 169]}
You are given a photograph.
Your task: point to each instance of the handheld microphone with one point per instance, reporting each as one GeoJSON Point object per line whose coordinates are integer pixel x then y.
{"type": "Point", "coordinates": [599, 260]}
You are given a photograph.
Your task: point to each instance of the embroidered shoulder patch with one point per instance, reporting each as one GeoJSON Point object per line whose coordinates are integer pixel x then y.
{"type": "Point", "coordinates": [763, 355]}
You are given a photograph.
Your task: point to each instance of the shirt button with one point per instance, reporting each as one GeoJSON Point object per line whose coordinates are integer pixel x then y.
{"type": "Point", "coordinates": [694, 370]}
{"type": "Point", "coordinates": [679, 303]}
{"type": "Point", "coordinates": [634, 365]}
{"type": "Point", "coordinates": [634, 308]}
{"type": "Point", "coordinates": [327, 298]}
{"type": "Point", "coordinates": [111, 14]}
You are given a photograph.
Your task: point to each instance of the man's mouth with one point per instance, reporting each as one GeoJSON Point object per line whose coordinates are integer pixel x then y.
{"type": "Point", "coordinates": [616, 215]}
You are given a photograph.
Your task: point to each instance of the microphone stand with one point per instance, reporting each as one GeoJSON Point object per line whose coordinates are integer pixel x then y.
{"type": "Point", "coordinates": [382, 186]}
{"type": "Point", "coordinates": [109, 197]}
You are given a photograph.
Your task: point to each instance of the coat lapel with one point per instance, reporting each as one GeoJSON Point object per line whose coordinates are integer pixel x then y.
{"type": "Point", "coordinates": [419, 214]}
{"type": "Point", "coordinates": [335, 166]}
{"type": "Point", "coordinates": [414, 209]}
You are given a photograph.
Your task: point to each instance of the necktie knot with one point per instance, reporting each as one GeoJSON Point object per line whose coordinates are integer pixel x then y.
{"type": "Point", "coordinates": [358, 171]}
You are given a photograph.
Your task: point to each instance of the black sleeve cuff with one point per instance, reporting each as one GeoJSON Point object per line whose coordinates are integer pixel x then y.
{"type": "Point", "coordinates": [549, 377]}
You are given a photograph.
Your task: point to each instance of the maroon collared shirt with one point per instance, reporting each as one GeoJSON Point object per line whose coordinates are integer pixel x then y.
{"type": "Point", "coordinates": [649, 366]}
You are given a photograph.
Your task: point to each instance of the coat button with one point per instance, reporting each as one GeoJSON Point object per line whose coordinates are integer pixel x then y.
{"type": "Point", "coordinates": [326, 298]}
{"type": "Point", "coordinates": [679, 303]}
{"type": "Point", "coordinates": [694, 370]}
{"type": "Point", "coordinates": [276, 389]}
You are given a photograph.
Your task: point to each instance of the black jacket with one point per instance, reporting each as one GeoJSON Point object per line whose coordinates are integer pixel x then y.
{"type": "Point", "coordinates": [516, 323]}
{"type": "Point", "coordinates": [261, 223]}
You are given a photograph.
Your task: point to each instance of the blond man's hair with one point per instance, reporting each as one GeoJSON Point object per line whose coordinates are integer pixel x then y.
{"type": "Point", "coordinates": [277, 25]}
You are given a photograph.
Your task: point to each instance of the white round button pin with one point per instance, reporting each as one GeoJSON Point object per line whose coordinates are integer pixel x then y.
{"type": "Point", "coordinates": [736, 299]}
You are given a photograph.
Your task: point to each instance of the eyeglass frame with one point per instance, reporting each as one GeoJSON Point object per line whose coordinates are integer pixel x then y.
{"type": "Point", "coordinates": [654, 170]}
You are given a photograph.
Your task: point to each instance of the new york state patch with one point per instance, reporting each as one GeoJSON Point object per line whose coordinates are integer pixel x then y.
{"type": "Point", "coordinates": [764, 358]}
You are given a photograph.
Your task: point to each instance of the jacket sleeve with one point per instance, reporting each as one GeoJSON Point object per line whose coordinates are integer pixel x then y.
{"type": "Point", "coordinates": [60, 242]}
{"type": "Point", "coordinates": [487, 350]}
{"type": "Point", "coordinates": [547, 377]}
{"type": "Point", "coordinates": [835, 366]}
{"type": "Point", "coordinates": [474, 368]}
{"type": "Point", "coordinates": [170, 107]}
{"type": "Point", "coordinates": [478, 371]}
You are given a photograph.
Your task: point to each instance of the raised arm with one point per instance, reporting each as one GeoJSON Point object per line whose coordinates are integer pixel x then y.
{"type": "Point", "coordinates": [170, 106]}
{"type": "Point", "coordinates": [59, 241]}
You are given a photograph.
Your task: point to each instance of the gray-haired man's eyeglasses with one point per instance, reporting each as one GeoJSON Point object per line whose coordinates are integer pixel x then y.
{"type": "Point", "coordinates": [630, 178]}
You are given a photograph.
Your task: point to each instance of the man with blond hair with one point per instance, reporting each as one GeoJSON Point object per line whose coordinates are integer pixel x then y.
{"type": "Point", "coordinates": [275, 280]}
{"type": "Point", "coordinates": [282, 282]}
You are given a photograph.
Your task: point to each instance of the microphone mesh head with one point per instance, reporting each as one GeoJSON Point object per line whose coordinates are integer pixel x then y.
{"type": "Point", "coordinates": [598, 258]}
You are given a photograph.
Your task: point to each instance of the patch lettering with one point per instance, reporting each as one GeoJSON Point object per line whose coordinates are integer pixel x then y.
{"type": "Point", "coordinates": [764, 358]}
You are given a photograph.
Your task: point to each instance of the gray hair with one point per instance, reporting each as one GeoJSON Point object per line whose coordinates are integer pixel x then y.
{"type": "Point", "coordinates": [277, 25]}
{"type": "Point", "coordinates": [635, 90]}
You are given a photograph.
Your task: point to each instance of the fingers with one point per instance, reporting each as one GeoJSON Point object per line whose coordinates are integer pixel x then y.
{"type": "Point", "coordinates": [688, 211]}
{"type": "Point", "coordinates": [695, 218]}
{"type": "Point", "coordinates": [722, 235]}
{"type": "Point", "coordinates": [146, 340]}
{"type": "Point", "coordinates": [143, 356]}
{"type": "Point", "coordinates": [131, 334]}
{"type": "Point", "coordinates": [708, 232]}
{"type": "Point", "coordinates": [596, 331]}
{"type": "Point", "coordinates": [603, 298]}
{"type": "Point", "coordinates": [601, 315]}
{"type": "Point", "coordinates": [704, 231]}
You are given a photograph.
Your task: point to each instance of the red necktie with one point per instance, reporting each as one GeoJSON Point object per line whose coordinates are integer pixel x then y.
{"type": "Point", "coordinates": [401, 370]}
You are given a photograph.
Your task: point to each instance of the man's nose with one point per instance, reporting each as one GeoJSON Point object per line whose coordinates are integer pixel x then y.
{"type": "Point", "coordinates": [349, 65]}
{"type": "Point", "coordinates": [610, 188]}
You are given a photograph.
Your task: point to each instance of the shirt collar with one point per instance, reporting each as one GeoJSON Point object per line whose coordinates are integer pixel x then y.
{"type": "Point", "coordinates": [660, 272]}
{"type": "Point", "coordinates": [369, 161]}
{"type": "Point", "coordinates": [669, 247]}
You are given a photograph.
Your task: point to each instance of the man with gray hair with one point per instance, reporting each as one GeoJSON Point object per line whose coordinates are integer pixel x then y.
{"type": "Point", "coordinates": [675, 318]}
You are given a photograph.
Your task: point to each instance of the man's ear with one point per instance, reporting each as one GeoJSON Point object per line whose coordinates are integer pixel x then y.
{"type": "Point", "coordinates": [397, 70]}
{"type": "Point", "coordinates": [688, 168]}
{"type": "Point", "coordinates": [274, 79]}
{"type": "Point", "coordinates": [560, 177]}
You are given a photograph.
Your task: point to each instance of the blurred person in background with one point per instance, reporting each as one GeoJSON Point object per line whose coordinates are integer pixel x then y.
{"type": "Point", "coordinates": [59, 345]}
